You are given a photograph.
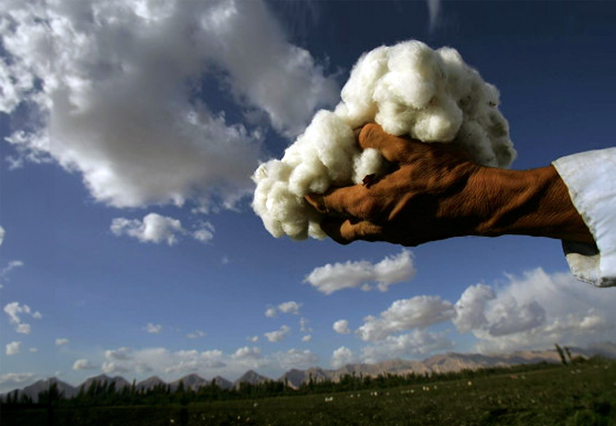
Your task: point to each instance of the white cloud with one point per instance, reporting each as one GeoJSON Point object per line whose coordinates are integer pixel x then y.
{"type": "Point", "coordinates": [62, 341]}
{"type": "Point", "coordinates": [113, 368]}
{"type": "Point", "coordinates": [290, 307]}
{"type": "Point", "coordinates": [13, 348]}
{"type": "Point", "coordinates": [120, 354]}
{"type": "Point", "coordinates": [154, 228]}
{"type": "Point", "coordinates": [307, 338]}
{"type": "Point", "coordinates": [204, 232]}
{"type": "Point", "coordinates": [303, 325]}
{"type": "Point", "coordinates": [33, 350]}
{"type": "Point", "coordinates": [2, 232]}
{"type": "Point", "coordinates": [14, 311]}
{"type": "Point", "coordinates": [83, 364]}
{"type": "Point", "coordinates": [253, 339]}
{"type": "Point", "coordinates": [23, 328]}
{"type": "Point", "coordinates": [247, 352]}
{"type": "Point", "coordinates": [15, 378]}
{"type": "Point", "coordinates": [153, 328]}
{"type": "Point", "coordinates": [391, 270]}
{"type": "Point", "coordinates": [418, 342]}
{"type": "Point", "coordinates": [196, 334]}
{"type": "Point", "coordinates": [173, 364]}
{"type": "Point", "coordinates": [341, 327]}
{"type": "Point", "coordinates": [535, 311]}
{"type": "Point", "coordinates": [114, 92]}
{"type": "Point", "coordinates": [470, 307]}
{"type": "Point", "coordinates": [406, 314]}
{"type": "Point", "coordinates": [10, 381]}
{"type": "Point", "coordinates": [278, 335]}
{"type": "Point", "coordinates": [342, 356]}
{"type": "Point", "coordinates": [9, 267]}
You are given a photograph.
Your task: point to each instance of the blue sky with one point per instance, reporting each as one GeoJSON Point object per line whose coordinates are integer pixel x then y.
{"type": "Point", "coordinates": [166, 109]}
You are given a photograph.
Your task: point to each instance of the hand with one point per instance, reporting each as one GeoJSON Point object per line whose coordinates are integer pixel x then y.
{"type": "Point", "coordinates": [436, 192]}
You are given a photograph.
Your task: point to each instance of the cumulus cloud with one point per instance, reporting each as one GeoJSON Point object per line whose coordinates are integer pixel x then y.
{"type": "Point", "coordinates": [120, 354]}
{"type": "Point", "coordinates": [278, 335]}
{"type": "Point", "coordinates": [83, 364]}
{"type": "Point", "coordinates": [253, 339]}
{"type": "Point", "coordinates": [471, 306]}
{"type": "Point", "coordinates": [204, 232]}
{"type": "Point", "coordinates": [13, 348]}
{"type": "Point", "coordinates": [33, 350]}
{"type": "Point", "coordinates": [416, 343]}
{"type": "Point", "coordinates": [62, 341]}
{"type": "Point", "coordinates": [534, 311]}
{"type": "Point", "coordinates": [307, 338]}
{"type": "Point", "coordinates": [289, 307]}
{"type": "Point", "coordinates": [114, 91]}
{"type": "Point", "coordinates": [406, 314]}
{"type": "Point", "coordinates": [14, 310]}
{"type": "Point", "coordinates": [2, 232]}
{"type": "Point", "coordinates": [342, 356]}
{"type": "Point", "coordinates": [247, 352]}
{"type": "Point", "coordinates": [156, 229]}
{"type": "Point", "coordinates": [341, 327]}
{"type": "Point", "coordinates": [391, 270]}
{"type": "Point", "coordinates": [409, 89]}
{"type": "Point", "coordinates": [153, 328]}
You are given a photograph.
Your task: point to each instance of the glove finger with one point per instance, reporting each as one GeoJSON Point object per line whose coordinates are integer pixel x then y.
{"type": "Point", "coordinates": [345, 231]}
{"type": "Point", "coordinates": [393, 148]}
{"type": "Point", "coordinates": [345, 201]}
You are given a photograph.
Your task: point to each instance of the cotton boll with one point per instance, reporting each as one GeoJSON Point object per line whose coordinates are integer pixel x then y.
{"type": "Point", "coordinates": [369, 162]}
{"type": "Point", "coordinates": [473, 139]}
{"type": "Point", "coordinates": [405, 88]}
{"type": "Point", "coordinates": [358, 107]}
{"type": "Point", "coordinates": [410, 90]}
{"type": "Point", "coordinates": [395, 119]}
{"type": "Point", "coordinates": [438, 122]}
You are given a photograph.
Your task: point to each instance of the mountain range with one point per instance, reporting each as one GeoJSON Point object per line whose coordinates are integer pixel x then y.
{"type": "Point", "coordinates": [442, 363]}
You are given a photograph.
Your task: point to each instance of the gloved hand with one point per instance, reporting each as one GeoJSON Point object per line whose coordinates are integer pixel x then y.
{"type": "Point", "coordinates": [436, 192]}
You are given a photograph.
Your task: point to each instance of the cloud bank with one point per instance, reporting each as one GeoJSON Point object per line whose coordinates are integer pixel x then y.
{"type": "Point", "coordinates": [115, 91]}
{"type": "Point", "coordinates": [529, 312]}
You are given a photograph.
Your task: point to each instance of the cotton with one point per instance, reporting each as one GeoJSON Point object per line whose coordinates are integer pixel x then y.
{"type": "Point", "coordinates": [410, 90]}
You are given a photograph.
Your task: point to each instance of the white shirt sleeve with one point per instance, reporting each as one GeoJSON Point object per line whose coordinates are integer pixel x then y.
{"type": "Point", "coordinates": [591, 179]}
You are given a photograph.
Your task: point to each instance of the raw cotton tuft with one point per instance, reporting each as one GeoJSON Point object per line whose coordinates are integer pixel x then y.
{"type": "Point", "coordinates": [410, 90]}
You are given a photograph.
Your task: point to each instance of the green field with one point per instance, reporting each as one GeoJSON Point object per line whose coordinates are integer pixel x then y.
{"type": "Point", "coordinates": [582, 394]}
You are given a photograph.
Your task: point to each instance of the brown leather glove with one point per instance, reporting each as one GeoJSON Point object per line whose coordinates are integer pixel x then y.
{"type": "Point", "coordinates": [436, 192]}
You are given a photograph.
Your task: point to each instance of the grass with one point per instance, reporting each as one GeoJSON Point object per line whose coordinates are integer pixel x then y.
{"type": "Point", "coordinates": [581, 395]}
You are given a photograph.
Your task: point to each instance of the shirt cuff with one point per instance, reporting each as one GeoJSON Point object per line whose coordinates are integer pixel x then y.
{"type": "Point", "coordinates": [591, 180]}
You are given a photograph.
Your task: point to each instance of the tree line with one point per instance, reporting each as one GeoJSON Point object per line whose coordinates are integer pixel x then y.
{"type": "Point", "coordinates": [105, 393]}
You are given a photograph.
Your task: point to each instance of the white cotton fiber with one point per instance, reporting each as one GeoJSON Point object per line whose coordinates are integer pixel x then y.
{"type": "Point", "coordinates": [409, 89]}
